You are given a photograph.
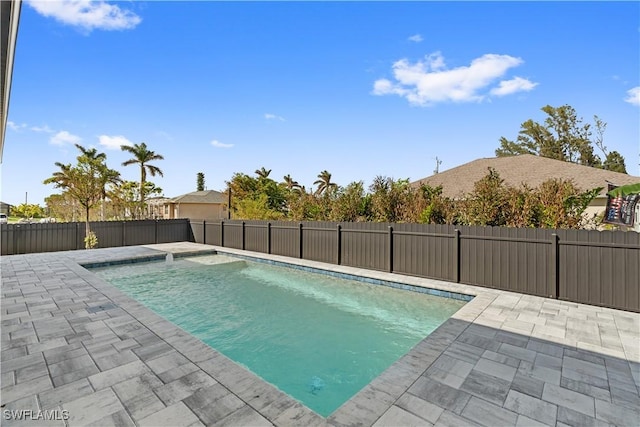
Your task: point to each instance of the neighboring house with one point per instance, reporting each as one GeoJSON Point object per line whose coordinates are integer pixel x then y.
{"type": "Point", "coordinates": [155, 207]}
{"type": "Point", "coordinates": [207, 204]}
{"type": "Point", "coordinates": [5, 208]}
{"type": "Point", "coordinates": [532, 171]}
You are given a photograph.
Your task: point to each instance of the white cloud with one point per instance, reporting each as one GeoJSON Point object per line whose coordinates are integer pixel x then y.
{"type": "Point", "coordinates": [429, 81]}
{"type": "Point", "coordinates": [219, 144]}
{"type": "Point", "coordinates": [633, 96]}
{"type": "Point", "coordinates": [269, 116]}
{"type": "Point", "coordinates": [45, 129]}
{"type": "Point", "coordinates": [87, 14]}
{"type": "Point", "coordinates": [416, 38]}
{"type": "Point", "coordinates": [64, 137]}
{"type": "Point", "coordinates": [517, 84]}
{"type": "Point", "coordinates": [113, 142]}
{"type": "Point", "coordinates": [15, 127]}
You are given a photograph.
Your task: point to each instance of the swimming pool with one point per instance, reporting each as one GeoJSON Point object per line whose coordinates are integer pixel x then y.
{"type": "Point", "coordinates": [319, 339]}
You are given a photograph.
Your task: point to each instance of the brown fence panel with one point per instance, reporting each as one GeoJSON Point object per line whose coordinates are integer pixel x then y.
{"type": "Point", "coordinates": [64, 236]}
{"type": "Point", "coordinates": [49, 237]}
{"type": "Point", "coordinates": [212, 233]}
{"type": "Point", "coordinates": [285, 238]}
{"type": "Point", "coordinates": [320, 241]}
{"type": "Point", "coordinates": [366, 245]}
{"type": "Point", "coordinates": [255, 234]}
{"type": "Point", "coordinates": [139, 232]}
{"type": "Point", "coordinates": [109, 233]}
{"type": "Point", "coordinates": [6, 239]}
{"type": "Point", "coordinates": [233, 234]}
{"type": "Point", "coordinates": [600, 268]}
{"type": "Point", "coordinates": [198, 231]}
{"type": "Point", "coordinates": [424, 250]}
{"type": "Point", "coordinates": [177, 230]}
{"type": "Point", "coordinates": [510, 259]}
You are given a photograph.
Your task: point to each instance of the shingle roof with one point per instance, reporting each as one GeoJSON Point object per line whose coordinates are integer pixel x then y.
{"type": "Point", "coordinates": [207, 196]}
{"type": "Point", "coordinates": [528, 169]}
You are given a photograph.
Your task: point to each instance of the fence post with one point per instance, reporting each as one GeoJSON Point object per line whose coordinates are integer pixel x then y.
{"type": "Point", "coordinates": [339, 246]}
{"type": "Point", "coordinates": [243, 235]}
{"type": "Point", "coordinates": [300, 240]}
{"type": "Point", "coordinates": [456, 252]}
{"type": "Point", "coordinates": [204, 231]}
{"type": "Point", "coordinates": [555, 277]}
{"type": "Point", "coordinates": [390, 239]}
{"type": "Point", "coordinates": [14, 250]}
{"type": "Point", "coordinates": [269, 238]}
{"type": "Point", "coordinates": [124, 233]}
{"type": "Point", "coordinates": [156, 233]}
{"type": "Point", "coordinates": [222, 233]}
{"type": "Point", "coordinates": [78, 236]}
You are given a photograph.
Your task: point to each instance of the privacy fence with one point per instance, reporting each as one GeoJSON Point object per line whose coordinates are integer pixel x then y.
{"type": "Point", "coordinates": [49, 237]}
{"type": "Point", "coordinates": [592, 267]}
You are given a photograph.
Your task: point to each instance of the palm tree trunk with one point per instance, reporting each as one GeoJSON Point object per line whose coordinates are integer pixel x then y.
{"type": "Point", "coordinates": [87, 228]}
{"type": "Point", "coordinates": [142, 179]}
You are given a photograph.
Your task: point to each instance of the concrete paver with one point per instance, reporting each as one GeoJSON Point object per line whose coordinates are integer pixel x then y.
{"type": "Point", "coordinates": [71, 341]}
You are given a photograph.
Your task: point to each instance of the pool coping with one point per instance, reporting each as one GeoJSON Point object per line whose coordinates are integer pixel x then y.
{"type": "Point", "coordinates": [491, 320]}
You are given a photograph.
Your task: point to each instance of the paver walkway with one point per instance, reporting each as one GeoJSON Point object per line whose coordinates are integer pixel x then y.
{"type": "Point", "coordinates": [77, 349]}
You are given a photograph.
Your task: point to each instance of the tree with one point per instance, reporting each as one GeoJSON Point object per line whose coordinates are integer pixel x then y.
{"type": "Point", "coordinates": [27, 210]}
{"type": "Point", "coordinates": [614, 162]}
{"type": "Point", "coordinates": [563, 136]}
{"type": "Point", "coordinates": [290, 184]}
{"type": "Point", "coordinates": [142, 156]}
{"type": "Point", "coordinates": [83, 182]}
{"type": "Point", "coordinates": [263, 173]}
{"type": "Point", "coordinates": [437, 209]}
{"type": "Point", "coordinates": [324, 183]}
{"type": "Point", "coordinates": [108, 176]}
{"type": "Point", "coordinates": [125, 198]}
{"type": "Point", "coordinates": [248, 197]}
{"type": "Point", "coordinates": [351, 203]}
{"type": "Point", "coordinates": [392, 200]}
{"type": "Point", "coordinates": [200, 182]}
{"type": "Point", "coordinates": [485, 205]}
{"type": "Point", "coordinates": [63, 207]}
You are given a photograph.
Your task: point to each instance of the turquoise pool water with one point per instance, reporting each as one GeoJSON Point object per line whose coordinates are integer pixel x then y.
{"type": "Point", "coordinates": [317, 338]}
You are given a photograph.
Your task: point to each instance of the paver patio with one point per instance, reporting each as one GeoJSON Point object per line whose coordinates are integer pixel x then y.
{"type": "Point", "coordinates": [75, 345]}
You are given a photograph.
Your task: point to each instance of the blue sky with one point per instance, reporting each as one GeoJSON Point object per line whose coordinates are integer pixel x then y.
{"type": "Point", "coordinates": [357, 88]}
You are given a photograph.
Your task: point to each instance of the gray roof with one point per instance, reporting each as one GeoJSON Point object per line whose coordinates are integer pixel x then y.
{"type": "Point", "coordinates": [524, 169]}
{"type": "Point", "coordinates": [207, 196]}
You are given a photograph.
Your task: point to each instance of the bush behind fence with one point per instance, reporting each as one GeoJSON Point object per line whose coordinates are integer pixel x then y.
{"type": "Point", "coordinates": [586, 266]}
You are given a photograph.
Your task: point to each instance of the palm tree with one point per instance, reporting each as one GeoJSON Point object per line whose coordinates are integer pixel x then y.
{"type": "Point", "coordinates": [83, 182]}
{"type": "Point", "coordinates": [91, 153]}
{"type": "Point", "coordinates": [290, 184]}
{"type": "Point", "coordinates": [106, 175]}
{"type": "Point", "coordinates": [324, 183]}
{"type": "Point", "coordinates": [262, 172]}
{"type": "Point", "coordinates": [142, 156]}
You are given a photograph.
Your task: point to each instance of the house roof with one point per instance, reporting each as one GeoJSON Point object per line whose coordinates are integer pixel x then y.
{"type": "Point", "coordinates": [524, 169]}
{"type": "Point", "coordinates": [9, 18]}
{"type": "Point", "coordinates": [207, 196]}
